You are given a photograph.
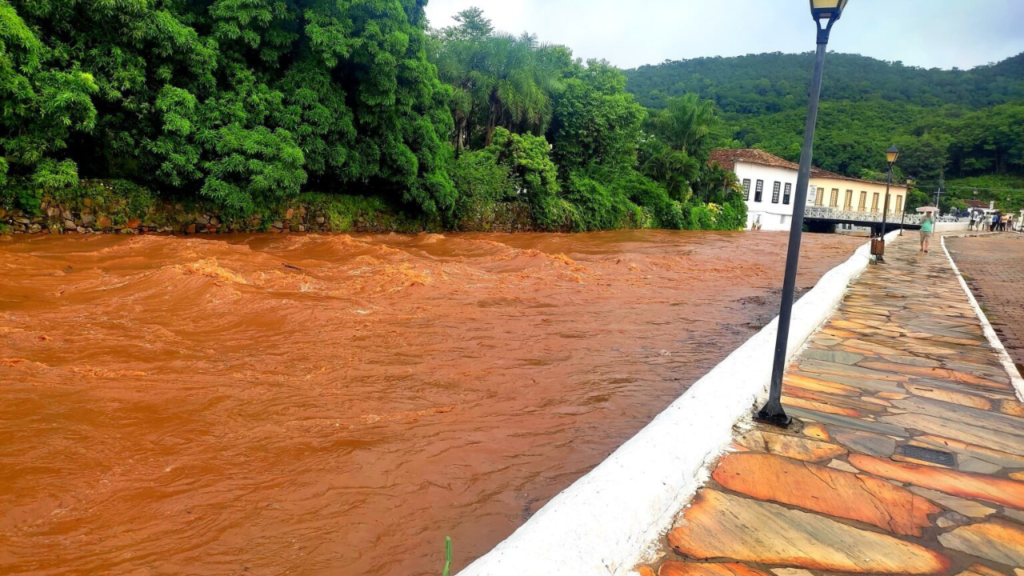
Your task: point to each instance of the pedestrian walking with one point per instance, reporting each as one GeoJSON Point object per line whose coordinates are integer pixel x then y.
{"type": "Point", "coordinates": [974, 220]}
{"type": "Point", "coordinates": [927, 225]}
{"type": "Point", "coordinates": [995, 223]}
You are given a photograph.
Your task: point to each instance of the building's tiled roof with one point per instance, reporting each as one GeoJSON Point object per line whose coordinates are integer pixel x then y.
{"type": "Point", "coordinates": [728, 158]}
{"type": "Point", "coordinates": [980, 204]}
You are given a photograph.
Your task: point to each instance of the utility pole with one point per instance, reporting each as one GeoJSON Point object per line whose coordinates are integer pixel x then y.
{"type": "Point", "coordinates": [939, 192]}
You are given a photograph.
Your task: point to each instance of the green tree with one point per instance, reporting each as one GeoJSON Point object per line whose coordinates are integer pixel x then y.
{"type": "Point", "coordinates": [718, 184]}
{"type": "Point", "coordinates": [248, 101]}
{"type": "Point", "coordinates": [596, 122]}
{"type": "Point", "coordinates": [535, 175]}
{"type": "Point", "coordinates": [924, 157]}
{"type": "Point", "coordinates": [499, 80]}
{"type": "Point", "coordinates": [674, 169]}
{"type": "Point", "coordinates": [44, 103]}
{"type": "Point", "coordinates": [989, 141]}
{"type": "Point", "coordinates": [686, 124]}
{"type": "Point", "coordinates": [472, 26]}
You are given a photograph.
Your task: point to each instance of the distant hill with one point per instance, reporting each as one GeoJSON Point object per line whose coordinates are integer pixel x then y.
{"type": "Point", "coordinates": [768, 83]}
{"type": "Point", "coordinates": [948, 123]}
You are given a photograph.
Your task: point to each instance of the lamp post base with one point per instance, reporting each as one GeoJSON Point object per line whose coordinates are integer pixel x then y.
{"type": "Point", "coordinates": [879, 259]}
{"type": "Point", "coordinates": [775, 417]}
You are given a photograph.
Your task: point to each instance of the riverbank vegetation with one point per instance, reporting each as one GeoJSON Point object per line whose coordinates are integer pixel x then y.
{"type": "Point", "coordinates": [249, 104]}
{"type": "Point", "coordinates": [246, 106]}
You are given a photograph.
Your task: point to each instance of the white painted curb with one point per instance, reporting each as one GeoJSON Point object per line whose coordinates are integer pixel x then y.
{"type": "Point", "coordinates": [606, 521]}
{"type": "Point", "coordinates": [990, 333]}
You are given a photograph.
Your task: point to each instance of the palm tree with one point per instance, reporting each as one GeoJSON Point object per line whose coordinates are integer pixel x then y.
{"type": "Point", "coordinates": [719, 179]}
{"type": "Point", "coordinates": [675, 169]}
{"type": "Point", "coordinates": [452, 58]}
{"type": "Point", "coordinates": [497, 79]}
{"type": "Point", "coordinates": [687, 123]}
{"type": "Point", "coordinates": [517, 86]}
{"type": "Point", "coordinates": [677, 151]}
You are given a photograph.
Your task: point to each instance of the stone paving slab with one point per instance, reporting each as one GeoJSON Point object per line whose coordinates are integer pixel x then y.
{"type": "Point", "coordinates": [906, 454]}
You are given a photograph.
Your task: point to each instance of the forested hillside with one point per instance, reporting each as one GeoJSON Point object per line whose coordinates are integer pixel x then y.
{"type": "Point", "coordinates": [768, 83]}
{"type": "Point", "coordinates": [951, 124]}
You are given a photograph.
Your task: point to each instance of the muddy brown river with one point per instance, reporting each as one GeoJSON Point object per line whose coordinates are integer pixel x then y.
{"type": "Point", "coordinates": [273, 404]}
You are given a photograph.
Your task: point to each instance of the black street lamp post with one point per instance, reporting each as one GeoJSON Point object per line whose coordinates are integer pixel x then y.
{"type": "Point", "coordinates": [891, 155]}
{"type": "Point", "coordinates": [825, 14]}
{"type": "Point", "coordinates": [906, 198]}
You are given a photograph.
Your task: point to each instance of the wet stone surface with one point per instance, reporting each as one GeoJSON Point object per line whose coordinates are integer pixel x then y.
{"type": "Point", "coordinates": [925, 474]}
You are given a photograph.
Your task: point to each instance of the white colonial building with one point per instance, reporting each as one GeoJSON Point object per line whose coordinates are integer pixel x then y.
{"type": "Point", "coordinates": [768, 183]}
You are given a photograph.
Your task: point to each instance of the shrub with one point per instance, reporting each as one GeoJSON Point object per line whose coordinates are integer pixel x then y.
{"type": "Point", "coordinates": [599, 207]}
{"type": "Point", "coordinates": [642, 191]}
{"type": "Point", "coordinates": [514, 167]}
{"type": "Point", "coordinates": [481, 181]}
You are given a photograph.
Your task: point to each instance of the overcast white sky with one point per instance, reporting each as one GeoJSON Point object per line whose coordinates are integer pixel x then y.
{"type": "Point", "coordinates": [629, 33]}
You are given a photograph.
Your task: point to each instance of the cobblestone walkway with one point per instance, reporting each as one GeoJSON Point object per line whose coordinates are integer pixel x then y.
{"type": "Point", "coordinates": [906, 455]}
{"type": "Point", "coordinates": [994, 269]}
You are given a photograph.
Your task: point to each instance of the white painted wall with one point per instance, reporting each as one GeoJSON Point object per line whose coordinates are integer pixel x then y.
{"type": "Point", "coordinates": [607, 521]}
{"type": "Point", "coordinates": [772, 216]}
{"type": "Point", "coordinates": [951, 226]}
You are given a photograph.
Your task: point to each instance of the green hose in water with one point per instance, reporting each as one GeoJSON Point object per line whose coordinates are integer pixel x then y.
{"type": "Point", "coordinates": [447, 556]}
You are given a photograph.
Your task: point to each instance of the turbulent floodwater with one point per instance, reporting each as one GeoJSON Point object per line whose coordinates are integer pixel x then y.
{"type": "Point", "coordinates": [339, 404]}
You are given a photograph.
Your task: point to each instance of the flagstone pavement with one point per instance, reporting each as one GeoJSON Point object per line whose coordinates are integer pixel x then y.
{"type": "Point", "coordinates": [906, 453]}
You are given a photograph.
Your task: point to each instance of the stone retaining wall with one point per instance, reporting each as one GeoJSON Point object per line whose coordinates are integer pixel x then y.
{"type": "Point", "coordinates": [57, 218]}
{"type": "Point", "coordinates": [103, 209]}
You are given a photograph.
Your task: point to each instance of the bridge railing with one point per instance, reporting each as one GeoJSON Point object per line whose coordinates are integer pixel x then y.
{"type": "Point", "coordinates": [826, 213]}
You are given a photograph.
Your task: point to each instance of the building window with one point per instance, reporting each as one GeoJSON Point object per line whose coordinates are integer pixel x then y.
{"type": "Point", "coordinates": [759, 191]}
{"type": "Point", "coordinates": [874, 202]}
{"type": "Point", "coordinates": [848, 203]}
{"type": "Point", "coordinates": [819, 197]}
{"type": "Point", "coordinates": [863, 201]}
{"type": "Point", "coordinates": [786, 193]}
{"type": "Point", "coordinates": [833, 201]}
{"type": "Point", "coordinates": [746, 189]}
{"type": "Point", "coordinates": [899, 203]}
{"type": "Point", "coordinates": [775, 193]}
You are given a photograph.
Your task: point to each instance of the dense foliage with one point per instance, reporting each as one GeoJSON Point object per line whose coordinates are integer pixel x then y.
{"type": "Point", "coordinates": [249, 103]}
{"type": "Point", "coordinates": [949, 124]}
{"type": "Point", "coordinates": [568, 138]}
{"type": "Point", "coordinates": [241, 101]}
